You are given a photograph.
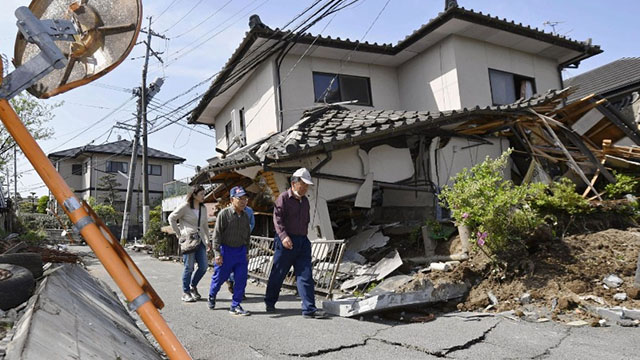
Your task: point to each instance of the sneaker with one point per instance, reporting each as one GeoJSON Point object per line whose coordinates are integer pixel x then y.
{"type": "Point", "coordinates": [270, 309]}
{"type": "Point", "coordinates": [186, 297]}
{"type": "Point", "coordinates": [194, 293]}
{"type": "Point", "coordinates": [230, 286]}
{"type": "Point", "coordinates": [212, 303]}
{"type": "Point", "coordinates": [238, 310]}
{"type": "Point", "coordinates": [318, 314]}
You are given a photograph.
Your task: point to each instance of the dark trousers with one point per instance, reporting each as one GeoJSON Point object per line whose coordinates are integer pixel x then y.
{"type": "Point", "coordinates": [300, 258]}
{"type": "Point", "coordinates": [198, 256]}
{"type": "Point", "coordinates": [234, 259]}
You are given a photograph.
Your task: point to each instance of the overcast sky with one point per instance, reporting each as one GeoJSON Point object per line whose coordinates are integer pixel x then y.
{"type": "Point", "coordinates": [204, 33]}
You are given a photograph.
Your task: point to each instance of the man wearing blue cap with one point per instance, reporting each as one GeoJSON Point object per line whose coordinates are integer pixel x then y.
{"type": "Point", "coordinates": [230, 241]}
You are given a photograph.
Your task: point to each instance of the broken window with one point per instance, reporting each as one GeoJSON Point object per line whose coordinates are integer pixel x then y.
{"type": "Point", "coordinates": [332, 88]}
{"type": "Point", "coordinates": [506, 87]}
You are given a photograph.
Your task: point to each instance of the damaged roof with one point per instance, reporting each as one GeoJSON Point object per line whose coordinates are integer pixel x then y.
{"type": "Point", "coordinates": [614, 78]}
{"type": "Point", "coordinates": [120, 147]}
{"type": "Point", "coordinates": [333, 127]}
{"type": "Point", "coordinates": [457, 20]}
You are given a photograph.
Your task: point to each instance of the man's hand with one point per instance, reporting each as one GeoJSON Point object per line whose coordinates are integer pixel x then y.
{"type": "Point", "coordinates": [219, 260]}
{"type": "Point", "coordinates": [287, 243]}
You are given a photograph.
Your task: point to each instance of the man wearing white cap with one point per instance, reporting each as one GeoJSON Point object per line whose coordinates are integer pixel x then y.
{"type": "Point", "coordinates": [292, 246]}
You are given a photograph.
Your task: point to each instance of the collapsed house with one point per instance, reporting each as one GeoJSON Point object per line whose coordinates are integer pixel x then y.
{"type": "Point", "coordinates": [470, 86]}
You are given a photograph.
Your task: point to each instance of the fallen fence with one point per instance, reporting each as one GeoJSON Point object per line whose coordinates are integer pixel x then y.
{"type": "Point", "coordinates": [326, 256]}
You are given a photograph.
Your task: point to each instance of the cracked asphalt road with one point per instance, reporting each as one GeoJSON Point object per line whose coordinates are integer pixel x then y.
{"type": "Point", "coordinates": [215, 334]}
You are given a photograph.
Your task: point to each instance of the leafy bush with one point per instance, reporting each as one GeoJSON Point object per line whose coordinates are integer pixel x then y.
{"type": "Point", "coordinates": [559, 197]}
{"type": "Point", "coordinates": [625, 184]}
{"type": "Point", "coordinates": [154, 235]}
{"type": "Point", "coordinates": [496, 211]}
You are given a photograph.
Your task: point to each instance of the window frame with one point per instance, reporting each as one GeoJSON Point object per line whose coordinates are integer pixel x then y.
{"type": "Point", "coordinates": [340, 88]}
{"type": "Point", "coordinates": [77, 169]}
{"type": "Point", "coordinates": [152, 166]}
{"type": "Point", "coordinates": [516, 78]}
{"type": "Point", "coordinates": [228, 129]}
{"type": "Point", "coordinates": [123, 167]}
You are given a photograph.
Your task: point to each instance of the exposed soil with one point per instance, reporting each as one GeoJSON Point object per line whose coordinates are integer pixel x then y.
{"type": "Point", "coordinates": [556, 274]}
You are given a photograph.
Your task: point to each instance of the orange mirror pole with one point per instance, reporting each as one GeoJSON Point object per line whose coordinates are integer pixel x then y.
{"type": "Point", "coordinates": [120, 273]}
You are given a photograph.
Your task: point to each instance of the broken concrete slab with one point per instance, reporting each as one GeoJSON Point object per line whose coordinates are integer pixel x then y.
{"type": "Point", "coordinates": [87, 319]}
{"type": "Point", "coordinates": [379, 271]}
{"type": "Point", "coordinates": [391, 284]}
{"type": "Point", "coordinates": [354, 306]}
{"type": "Point", "coordinates": [371, 238]}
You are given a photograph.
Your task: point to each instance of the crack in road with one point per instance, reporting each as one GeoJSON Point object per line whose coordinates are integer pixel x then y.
{"type": "Point", "coordinates": [547, 352]}
{"type": "Point", "coordinates": [261, 352]}
{"type": "Point", "coordinates": [338, 348]}
{"type": "Point", "coordinates": [365, 342]}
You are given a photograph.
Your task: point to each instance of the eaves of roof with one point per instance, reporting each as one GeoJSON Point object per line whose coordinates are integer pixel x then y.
{"type": "Point", "coordinates": [455, 12]}
{"type": "Point", "coordinates": [336, 127]}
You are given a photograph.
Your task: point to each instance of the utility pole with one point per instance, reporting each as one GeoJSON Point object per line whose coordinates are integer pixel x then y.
{"type": "Point", "coordinates": [126, 216]}
{"type": "Point", "coordinates": [144, 98]}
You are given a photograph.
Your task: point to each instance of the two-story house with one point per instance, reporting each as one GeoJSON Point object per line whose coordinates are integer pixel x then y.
{"type": "Point", "coordinates": [84, 169]}
{"type": "Point", "coordinates": [459, 62]}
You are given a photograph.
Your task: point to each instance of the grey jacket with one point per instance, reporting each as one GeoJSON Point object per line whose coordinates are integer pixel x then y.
{"type": "Point", "coordinates": [183, 221]}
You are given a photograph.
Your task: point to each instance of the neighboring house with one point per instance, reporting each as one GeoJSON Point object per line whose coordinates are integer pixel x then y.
{"type": "Point", "coordinates": [459, 59]}
{"type": "Point", "coordinates": [83, 167]}
{"type": "Point", "coordinates": [619, 83]}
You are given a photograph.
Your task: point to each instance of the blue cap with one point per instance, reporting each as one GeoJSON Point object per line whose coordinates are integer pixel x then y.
{"type": "Point", "coordinates": [237, 191]}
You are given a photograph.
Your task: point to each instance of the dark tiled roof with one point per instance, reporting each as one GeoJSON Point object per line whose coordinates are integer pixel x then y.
{"type": "Point", "coordinates": [122, 147]}
{"type": "Point", "coordinates": [388, 49]}
{"type": "Point", "coordinates": [335, 126]}
{"type": "Point", "coordinates": [620, 75]}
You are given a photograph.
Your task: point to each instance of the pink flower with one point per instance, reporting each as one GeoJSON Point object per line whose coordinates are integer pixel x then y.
{"type": "Point", "coordinates": [465, 215]}
{"type": "Point", "coordinates": [482, 236]}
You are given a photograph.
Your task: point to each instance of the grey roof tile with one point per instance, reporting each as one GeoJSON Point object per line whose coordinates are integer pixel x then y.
{"type": "Point", "coordinates": [117, 147]}
{"type": "Point", "coordinates": [606, 79]}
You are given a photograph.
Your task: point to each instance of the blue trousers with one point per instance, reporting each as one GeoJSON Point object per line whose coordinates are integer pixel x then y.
{"type": "Point", "coordinates": [234, 259]}
{"type": "Point", "coordinates": [300, 258]}
{"type": "Point", "coordinates": [199, 256]}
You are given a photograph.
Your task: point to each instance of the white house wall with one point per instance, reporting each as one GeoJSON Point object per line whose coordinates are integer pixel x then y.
{"type": "Point", "coordinates": [297, 84]}
{"type": "Point", "coordinates": [474, 58]}
{"type": "Point", "coordinates": [460, 153]}
{"type": "Point", "coordinates": [258, 100]}
{"type": "Point", "coordinates": [429, 81]}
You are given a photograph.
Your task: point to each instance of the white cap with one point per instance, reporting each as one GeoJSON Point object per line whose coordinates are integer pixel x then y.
{"type": "Point", "coordinates": [304, 175]}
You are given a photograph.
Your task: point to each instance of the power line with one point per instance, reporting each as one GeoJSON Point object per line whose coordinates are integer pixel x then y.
{"type": "Point", "coordinates": [165, 10]}
{"type": "Point", "coordinates": [183, 17]}
{"type": "Point", "coordinates": [203, 21]}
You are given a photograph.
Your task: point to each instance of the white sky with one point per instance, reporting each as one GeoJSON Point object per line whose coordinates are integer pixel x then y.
{"type": "Point", "coordinates": [610, 24]}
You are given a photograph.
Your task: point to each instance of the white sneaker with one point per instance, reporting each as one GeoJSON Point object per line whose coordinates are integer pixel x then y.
{"type": "Point", "coordinates": [186, 297]}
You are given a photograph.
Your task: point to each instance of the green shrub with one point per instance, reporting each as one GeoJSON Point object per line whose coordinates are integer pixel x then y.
{"type": "Point", "coordinates": [625, 184]}
{"type": "Point", "coordinates": [496, 211]}
{"type": "Point", "coordinates": [559, 197]}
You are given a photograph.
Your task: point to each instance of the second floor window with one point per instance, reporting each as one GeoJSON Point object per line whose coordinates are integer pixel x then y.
{"type": "Point", "coordinates": [76, 169]}
{"type": "Point", "coordinates": [506, 87]}
{"type": "Point", "coordinates": [333, 88]}
{"type": "Point", "coordinates": [155, 170]}
{"type": "Point", "coordinates": [228, 129]}
{"type": "Point", "coordinates": [117, 166]}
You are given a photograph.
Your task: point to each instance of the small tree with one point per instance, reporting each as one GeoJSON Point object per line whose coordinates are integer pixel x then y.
{"type": "Point", "coordinates": [106, 212]}
{"type": "Point", "coordinates": [43, 203]}
{"type": "Point", "coordinates": [110, 184]}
